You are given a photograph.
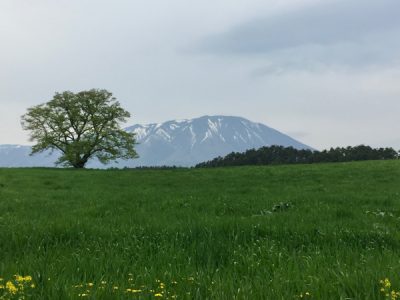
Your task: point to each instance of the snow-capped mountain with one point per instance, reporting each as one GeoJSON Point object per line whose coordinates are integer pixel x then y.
{"type": "Point", "coordinates": [178, 142]}
{"type": "Point", "coordinates": [187, 142]}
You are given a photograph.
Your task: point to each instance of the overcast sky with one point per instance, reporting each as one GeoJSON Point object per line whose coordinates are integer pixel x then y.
{"type": "Point", "coordinates": [326, 72]}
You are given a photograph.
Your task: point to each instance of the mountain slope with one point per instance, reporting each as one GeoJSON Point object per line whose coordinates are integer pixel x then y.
{"type": "Point", "coordinates": [178, 142]}
{"type": "Point", "coordinates": [14, 156]}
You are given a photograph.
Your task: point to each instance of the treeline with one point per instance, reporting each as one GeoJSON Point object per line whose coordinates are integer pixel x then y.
{"type": "Point", "coordinates": [276, 155]}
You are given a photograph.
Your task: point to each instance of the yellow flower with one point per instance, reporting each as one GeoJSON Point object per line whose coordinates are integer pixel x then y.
{"type": "Point", "coordinates": [394, 295]}
{"type": "Point", "coordinates": [134, 291]}
{"type": "Point", "coordinates": [387, 283]}
{"type": "Point", "coordinates": [83, 295]}
{"type": "Point", "coordinates": [115, 287]}
{"type": "Point", "coordinates": [104, 282]}
{"type": "Point", "coordinates": [11, 287]}
{"type": "Point", "coordinates": [90, 284]}
{"type": "Point", "coordinates": [1, 286]}
{"type": "Point", "coordinates": [158, 295]}
{"type": "Point", "coordinates": [33, 285]}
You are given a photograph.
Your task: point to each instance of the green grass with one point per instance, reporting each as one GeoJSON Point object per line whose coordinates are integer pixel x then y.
{"type": "Point", "coordinates": [204, 233]}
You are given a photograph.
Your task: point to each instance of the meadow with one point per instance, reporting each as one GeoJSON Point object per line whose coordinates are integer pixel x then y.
{"type": "Point", "coordinates": [322, 231]}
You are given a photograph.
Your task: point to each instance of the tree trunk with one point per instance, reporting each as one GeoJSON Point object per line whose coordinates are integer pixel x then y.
{"type": "Point", "coordinates": [80, 165]}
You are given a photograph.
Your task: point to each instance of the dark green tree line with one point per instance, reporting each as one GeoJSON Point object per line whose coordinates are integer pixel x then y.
{"type": "Point", "coordinates": [275, 155]}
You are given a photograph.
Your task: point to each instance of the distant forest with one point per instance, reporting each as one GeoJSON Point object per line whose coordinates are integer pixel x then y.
{"type": "Point", "coordinates": [277, 155]}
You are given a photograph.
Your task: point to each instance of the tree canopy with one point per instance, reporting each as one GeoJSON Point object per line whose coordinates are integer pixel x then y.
{"type": "Point", "coordinates": [81, 126]}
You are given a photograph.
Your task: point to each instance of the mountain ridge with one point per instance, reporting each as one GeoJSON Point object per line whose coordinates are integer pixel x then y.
{"type": "Point", "coordinates": [184, 142]}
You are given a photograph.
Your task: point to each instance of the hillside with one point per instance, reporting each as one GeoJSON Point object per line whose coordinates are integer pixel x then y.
{"type": "Point", "coordinates": [277, 232]}
{"type": "Point", "coordinates": [279, 155]}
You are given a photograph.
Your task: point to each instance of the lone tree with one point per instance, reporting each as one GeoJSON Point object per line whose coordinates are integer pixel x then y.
{"type": "Point", "coordinates": [81, 126]}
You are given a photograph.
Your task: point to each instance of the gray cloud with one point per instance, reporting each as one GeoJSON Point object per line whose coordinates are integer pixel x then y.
{"type": "Point", "coordinates": [322, 24]}
{"type": "Point", "coordinates": [358, 34]}
{"type": "Point", "coordinates": [368, 55]}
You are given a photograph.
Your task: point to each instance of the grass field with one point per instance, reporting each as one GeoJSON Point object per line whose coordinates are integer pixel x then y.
{"type": "Point", "coordinates": [328, 231]}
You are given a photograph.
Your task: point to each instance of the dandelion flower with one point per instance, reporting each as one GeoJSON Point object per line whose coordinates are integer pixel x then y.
{"type": "Point", "coordinates": [133, 291]}
{"type": "Point", "coordinates": [387, 283]}
{"type": "Point", "coordinates": [11, 287]}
